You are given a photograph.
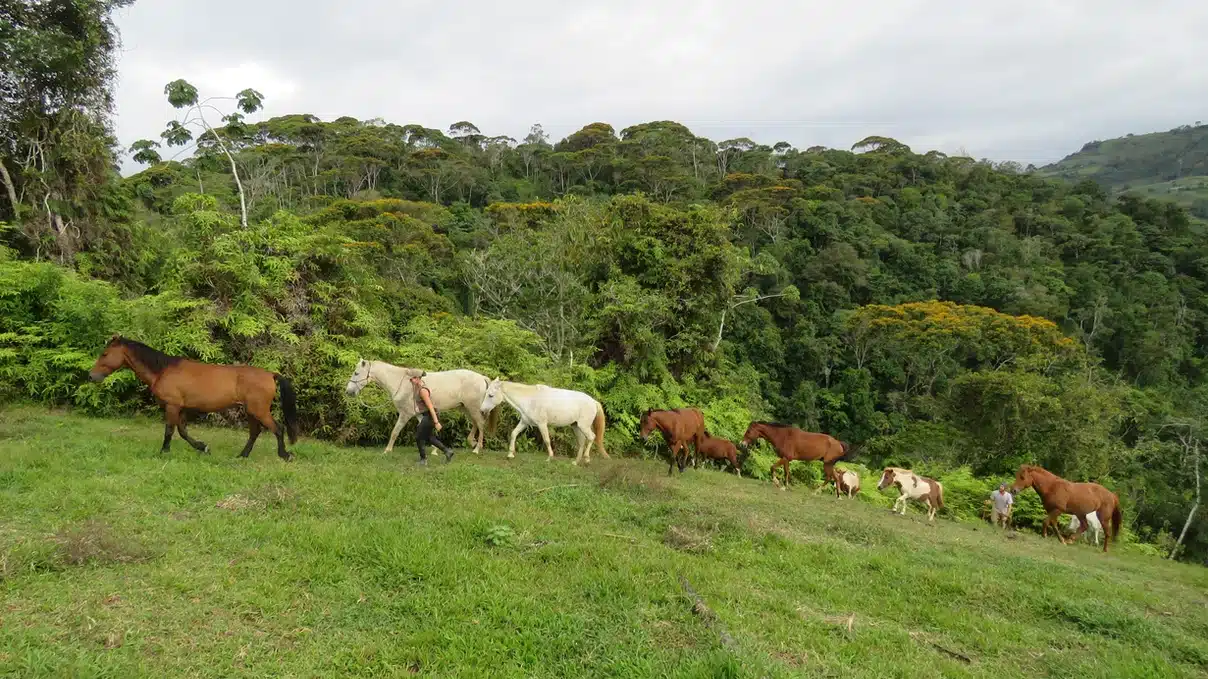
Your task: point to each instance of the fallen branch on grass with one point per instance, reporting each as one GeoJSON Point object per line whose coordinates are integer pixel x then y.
{"type": "Point", "coordinates": [565, 485]}
{"type": "Point", "coordinates": [701, 609]}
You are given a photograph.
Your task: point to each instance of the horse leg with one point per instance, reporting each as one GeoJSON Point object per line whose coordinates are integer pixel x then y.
{"type": "Point", "coordinates": [521, 426]}
{"type": "Point", "coordinates": [1052, 519]}
{"type": "Point", "coordinates": [579, 439]}
{"type": "Point", "coordinates": [544, 429]}
{"type": "Point", "coordinates": [1082, 523]}
{"type": "Point", "coordinates": [253, 432]}
{"type": "Point", "coordinates": [900, 501]}
{"type": "Point", "coordinates": [403, 419]}
{"type": "Point", "coordinates": [184, 434]}
{"type": "Point", "coordinates": [170, 415]}
{"type": "Point", "coordinates": [734, 464]}
{"type": "Point", "coordinates": [784, 462]}
{"type": "Point", "coordinates": [586, 437]}
{"type": "Point", "coordinates": [262, 412]}
{"type": "Point", "coordinates": [476, 427]}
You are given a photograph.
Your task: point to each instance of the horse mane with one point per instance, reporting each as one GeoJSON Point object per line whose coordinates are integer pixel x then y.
{"type": "Point", "coordinates": [154, 359]}
{"type": "Point", "coordinates": [778, 425]}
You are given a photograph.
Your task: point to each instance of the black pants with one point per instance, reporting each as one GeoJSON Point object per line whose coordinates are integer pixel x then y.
{"type": "Point", "coordinates": [424, 435]}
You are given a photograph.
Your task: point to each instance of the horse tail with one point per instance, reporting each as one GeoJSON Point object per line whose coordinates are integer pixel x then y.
{"type": "Point", "coordinates": [849, 451]}
{"type": "Point", "coordinates": [492, 420]}
{"type": "Point", "coordinates": [940, 495]}
{"type": "Point", "coordinates": [598, 428]}
{"type": "Point", "coordinates": [1117, 518]}
{"type": "Point", "coordinates": [289, 406]}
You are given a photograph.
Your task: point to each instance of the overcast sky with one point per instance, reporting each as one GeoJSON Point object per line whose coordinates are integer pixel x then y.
{"type": "Point", "coordinates": [1024, 80]}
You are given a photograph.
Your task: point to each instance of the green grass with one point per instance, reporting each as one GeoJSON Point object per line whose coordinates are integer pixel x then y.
{"type": "Point", "coordinates": [117, 562]}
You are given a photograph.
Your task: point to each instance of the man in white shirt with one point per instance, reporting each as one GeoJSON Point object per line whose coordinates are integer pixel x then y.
{"type": "Point", "coordinates": [1002, 501]}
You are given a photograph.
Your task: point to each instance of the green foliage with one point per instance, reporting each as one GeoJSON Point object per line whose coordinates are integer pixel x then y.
{"type": "Point", "coordinates": [943, 313]}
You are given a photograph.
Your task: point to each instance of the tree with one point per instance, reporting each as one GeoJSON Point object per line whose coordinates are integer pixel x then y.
{"type": "Point", "coordinates": [183, 96]}
{"type": "Point", "coordinates": [144, 152]}
{"type": "Point", "coordinates": [56, 143]}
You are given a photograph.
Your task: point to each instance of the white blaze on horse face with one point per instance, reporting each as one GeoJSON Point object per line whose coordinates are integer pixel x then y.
{"type": "Point", "coordinates": [360, 377]}
{"type": "Point", "coordinates": [886, 480]}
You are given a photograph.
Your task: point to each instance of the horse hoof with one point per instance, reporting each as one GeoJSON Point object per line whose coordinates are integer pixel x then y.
{"type": "Point", "coordinates": [205, 450]}
{"type": "Point", "coordinates": [511, 456]}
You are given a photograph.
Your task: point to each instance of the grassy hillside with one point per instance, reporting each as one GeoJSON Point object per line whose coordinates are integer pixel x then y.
{"type": "Point", "coordinates": [117, 562]}
{"type": "Point", "coordinates": [1171, 165]}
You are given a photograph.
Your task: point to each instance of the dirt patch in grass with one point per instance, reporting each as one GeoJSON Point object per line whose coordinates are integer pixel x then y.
{"type": "Point", "coordinates": [634, 483]}
{"type": "Point", "coordinates": [95, 542]}
{"type": "Point", "coordinates": [270, 495]}
{"type": "Point", "coordinates": [689, 539]}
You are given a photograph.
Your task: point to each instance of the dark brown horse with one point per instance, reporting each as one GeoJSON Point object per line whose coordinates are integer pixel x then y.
{"type": "Point", "coordinates": [679, 426]}
{"type": "Point", "coordinates": [792, 443]}
{"type": "Point", "coordinates": [711, 448]}
{"type": "Point", "coordinates": [1060, 496]}
{"type": "Point", "coordinates": [183, 384]}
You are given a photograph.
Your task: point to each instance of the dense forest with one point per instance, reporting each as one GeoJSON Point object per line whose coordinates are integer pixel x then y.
{"type": "Point", "coordinates": [954, 315]}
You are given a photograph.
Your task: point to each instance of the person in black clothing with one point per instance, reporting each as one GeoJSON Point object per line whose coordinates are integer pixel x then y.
{"type": "Point", "coordinates": [427, 421]}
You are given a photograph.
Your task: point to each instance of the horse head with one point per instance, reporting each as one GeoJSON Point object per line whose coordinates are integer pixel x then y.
{"type": "Point", "coordinates": [647, 425]}
{"type": "Point", "coordinates": [360, 377]}
{"type": "Point", "coordinates": [493, 395]}
{"type": "Point", "coordinates": [888, 477]}
{"type": "Point", "coordinates": [1023, 478]}
{"type": "Point", "coordinates": [112, 358]}
{"type": "Point", "coordinates": [754, 433]}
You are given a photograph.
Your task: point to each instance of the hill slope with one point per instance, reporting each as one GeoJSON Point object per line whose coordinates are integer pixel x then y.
{"type": "Point", "coordinates": [1171, 165]}
{"type": "Point", "coordinates": [118, 562]}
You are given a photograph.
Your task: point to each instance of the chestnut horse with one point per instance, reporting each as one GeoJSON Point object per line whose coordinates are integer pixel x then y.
{"type": "Point", "coordinates": [182, 384]}
{"type": "Point", "coordinates": [712, 448]}
{"type": "Point", "coordinates": [1060, 496]}
{"type": "Point", "coordinates": [679, 426]}
{"type": "Point", "coordinates": [792, 444]}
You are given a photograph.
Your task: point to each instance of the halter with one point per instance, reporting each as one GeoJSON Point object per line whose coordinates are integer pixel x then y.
{"type": "Point", "coordinates": [365, 380]}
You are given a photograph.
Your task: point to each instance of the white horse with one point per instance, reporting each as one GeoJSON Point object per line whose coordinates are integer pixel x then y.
{"type": "Point", "coordinates": [1092, 525]}
{"type": "Point", "coordinates": [450, 389]}
{"type": "Point", "coordinates": [544, 406]}
{"type": "Point", "coordinates": [914, 487]}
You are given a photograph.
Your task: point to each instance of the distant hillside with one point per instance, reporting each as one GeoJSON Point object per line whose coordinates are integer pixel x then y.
{"type": "Point", "coordinates": [1172, 165]}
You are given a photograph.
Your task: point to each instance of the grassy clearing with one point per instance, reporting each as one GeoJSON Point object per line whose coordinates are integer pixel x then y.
{"type": "Point", "coordinates": [119, 563]}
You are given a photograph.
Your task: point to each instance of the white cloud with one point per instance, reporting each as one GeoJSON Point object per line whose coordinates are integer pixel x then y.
{"type": "Point", "coordinates": [1026, 80]}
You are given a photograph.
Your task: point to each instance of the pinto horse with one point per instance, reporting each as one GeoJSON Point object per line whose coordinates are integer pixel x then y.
{"type": "Point", "coordinates": [792, 444]}
{"type": "Point", "coordinates": [182, 384]}
{"type": "Point", "coordinates": [712, 448]}
{"type": "Point", "coordinates": [913, 487]}
{"type": "Point", "coordinates": [847, 483]}
{"type": "Point", "coordinates": [1060, 496]}
{"type": "Point", "coordinates": [679, 426]}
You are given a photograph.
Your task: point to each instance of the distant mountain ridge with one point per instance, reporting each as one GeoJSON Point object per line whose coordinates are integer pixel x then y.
{"type": "Point", "coordinates": [1171, 165]}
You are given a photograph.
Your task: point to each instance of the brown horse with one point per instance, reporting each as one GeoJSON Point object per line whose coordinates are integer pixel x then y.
{"type": "Point", "coordinates": [712, 448]}
{"type": "Point", "coordinates": [1060, 496]}
{"type": "Point", "coordinates": [792, 444]}
{"type": "Point", "coordinates": [183, 384]}
{"type": "Point", "coordinates": [679, 426]}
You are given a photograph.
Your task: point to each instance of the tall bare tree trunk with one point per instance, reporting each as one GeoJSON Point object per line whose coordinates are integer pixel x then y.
{"type": "Point", "coordinates": [9, 187]}
{"type": "Point", "coordinates": [1195, 460]}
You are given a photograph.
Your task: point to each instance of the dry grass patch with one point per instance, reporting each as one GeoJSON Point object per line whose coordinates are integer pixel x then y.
{"type": "Point", "coordinates": [95, 542]}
